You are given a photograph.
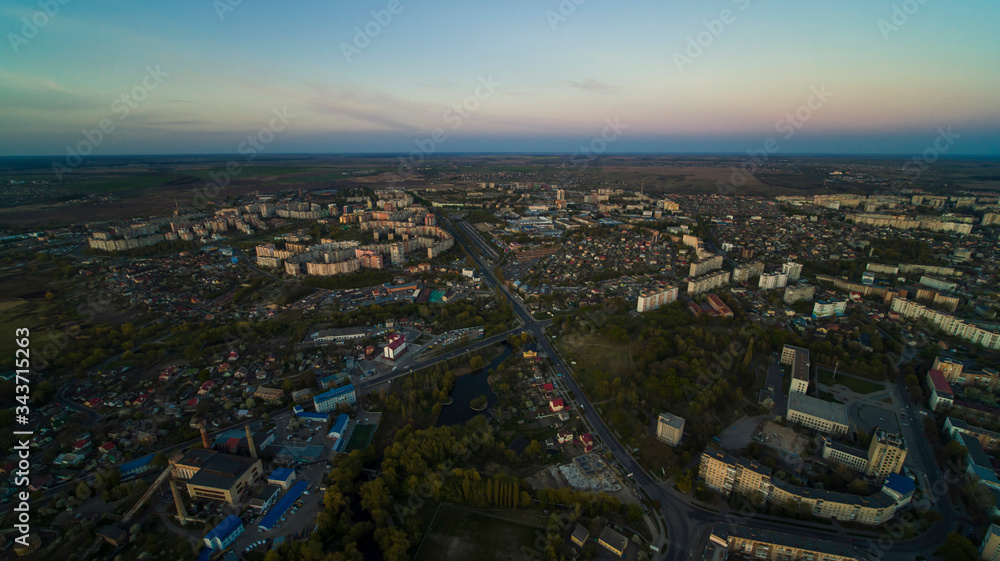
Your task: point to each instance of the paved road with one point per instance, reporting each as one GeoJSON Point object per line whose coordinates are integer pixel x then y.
{"type": "Point", "coordinates": [687, 525]}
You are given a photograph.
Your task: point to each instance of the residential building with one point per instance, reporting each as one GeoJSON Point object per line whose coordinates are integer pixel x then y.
{"type": "Point", "coordinates": [580, 535]}
{"type": "Point", "coordinates": [990, 548]}
{"type": "Point", "coordinates": [223, 535]}
{"type": "Point", "coordinates": [328, 401]}
{"type": "Point", "coordinates": [951, 368]}
{"type": "Point", "coordinates": [652, 299]}
{"type": "Point", "coordinates": [798, 358]}
{"type": "Point", "coordinates": [798, 292]}
{"type": "Point", "coordinates": [886, 455]}
{"type": "Point", "coordinates": [938, 284]}
{"type": "Point", "coordinates": [707, 282]}
{"type": "Point", "coordinates": [770, 281]}
{"type": "Point", "coordinates": [948, 323]}
{"type": "Point", "coordinates": [746, 542]}
{"type": "Point", "coordinates": [705, 266]}
{"type": "Point", "coordinates": [268, 394]}
{"type": "Point", "coordinates": [727, 475]}
{"type": "Point", "coordinates": [827, 308]}
{"type": "Point", "coordinates": [792, 270]}
{"type": "Point", "coordinates": [823, 416]}
{"type": "Point", "coordinates": [670, 428]}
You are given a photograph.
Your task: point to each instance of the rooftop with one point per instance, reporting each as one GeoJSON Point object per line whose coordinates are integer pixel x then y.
{"type": "Point", "coordinates": [797, 541]}
{"type": "Point", "coordinates": [835, 412]}
{"type": "Point", "coordinates": [941, 384]}
{"type": "Point", "coordinates": [671, 420]}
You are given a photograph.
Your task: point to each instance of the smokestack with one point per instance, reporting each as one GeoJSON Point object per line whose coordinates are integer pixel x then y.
{"type": "Point", "coordinates": [181, 512]}
{"type": "Point", "coordinates": [253, 449]}
{"type": "Point", "coordinates": [204, 435]}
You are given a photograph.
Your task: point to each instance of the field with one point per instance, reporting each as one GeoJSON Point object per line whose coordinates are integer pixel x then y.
{"type": "Point", "coordinates": [854, 384]}
{"type": "Point", "coordinates": [459, 533]}
{"type": "Point", "coordinates": [360, 437]}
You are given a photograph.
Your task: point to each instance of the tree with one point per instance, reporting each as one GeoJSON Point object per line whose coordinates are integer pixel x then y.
{"type": "Point", "coordinates": [83, 491]}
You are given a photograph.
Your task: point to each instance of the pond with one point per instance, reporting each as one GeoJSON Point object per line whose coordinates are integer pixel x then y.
{"type": "Point", "coordinates": [469, 387]}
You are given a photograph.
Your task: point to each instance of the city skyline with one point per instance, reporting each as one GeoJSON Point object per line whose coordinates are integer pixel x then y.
{"type": "Point", "coordinates": [395, 76]}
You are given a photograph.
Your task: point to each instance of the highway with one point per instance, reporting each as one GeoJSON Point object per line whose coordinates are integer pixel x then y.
{"type": "Point", "coordinates": [687, 525]}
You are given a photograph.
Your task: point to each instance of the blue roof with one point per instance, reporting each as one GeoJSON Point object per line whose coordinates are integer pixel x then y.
{"type": "Point", "coordinates": [225, 528]}
{"type": "Point", "coordinates": [341, 423]}
{"type": "Point", "coordinates": [205, 554]}
{"type": "Point", "coordinates": [135, 464]}
{"type": "Point", "coordinates": [280, 474]}
{"type": "Point", "coordinates": [334, 393]}
{"type": "Point", "coordinates": [311, 415]}
{"type": "Point", "coordinates": [279, 509]}
{"type": "Point", "coordinates": [900, 484]}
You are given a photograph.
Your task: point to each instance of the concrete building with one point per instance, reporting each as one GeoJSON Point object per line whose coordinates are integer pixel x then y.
{"type": "Point", "coordinates": [938, 284]}
{"type": "Point", "coordinates": [771, 281]}
{"type": "Point", "coordinates": [580, 535]}
{"type": "Point", "coordinates": [851, 457]}
{"type": "Point", "coordinates": [941, 394]}
{"type": "Point", "coordinates": [652, 299]}
{"type": "Point", "coordinates": [705, 266]}
{"type": "Point", "coordinates": [726, 474]}
{"type": "Point", "coordinates": [395, 348]}
{"type": "Point", "coordinates": [708, 282]}
{"type": "Point", "coordinates": [745, 542]}
{"type": "Point", "coordinates": [268, 394]}
{"type": "Point", "coordinates": [328, 401]}
{"type": "Point", "coordinates": [792, 270]}
{"type": "Point", "coordinates": [989, 440]}
{"type": "Point", "coordinates": [990, 548]}
{"type": "Point", "coordinates": [886, 455]}
{"type": "Point", "coordinates": [282, 477]}
{"type": "Point", "coordinates": [670, 428]}
{"type": "Point", "coordinates": [798, 359]}
{"type": "Point", "coordinates": [798, 292]}
{"type": "Point", "coordinates": [827, 308]}
{"type": "Point", "coordinates": [223, 535]}
{"type": "Point", "coordinates": [744, 273]}
{"type": "Point", "coordinates": [216, 476]}
{"type": "Point", "coordinates": [822, 416]}
{"type": "Point", "coordinates": [952, 369]}
{"type": "Point", "coordinates": [612, 541]}
{"type": "Point", "coordinates": [948, 323]}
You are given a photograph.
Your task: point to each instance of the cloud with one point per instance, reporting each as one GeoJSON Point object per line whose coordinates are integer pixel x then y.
{"type": "Point", "coordinates": [592, 85]}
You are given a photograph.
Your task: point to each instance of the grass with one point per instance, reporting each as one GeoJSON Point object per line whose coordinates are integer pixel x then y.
{"type": "Point", "coordinates": [458, 533]}
{"type": "Point", "coordinates": [854, 384]}
{"type": "Point", "coordinates": [360, 437]}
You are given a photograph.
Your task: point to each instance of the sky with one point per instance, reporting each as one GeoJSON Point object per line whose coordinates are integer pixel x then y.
{"type": "Point", "coordinates": [442, 76]}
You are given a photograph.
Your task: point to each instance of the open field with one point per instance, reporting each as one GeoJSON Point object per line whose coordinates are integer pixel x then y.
{"type": "Point", "coordinates": [459, 533]}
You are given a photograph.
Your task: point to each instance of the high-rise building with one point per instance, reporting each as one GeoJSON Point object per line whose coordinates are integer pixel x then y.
{"type": "Point", "coordinates": [652, 299]}
{"type": "Point", "coordinates": [670, 428]}
{"type": "Point", "coordinates": [561, 195]}
{"type": "Point", "coordinates": [885, 455]}
{"type": "Point", "coordinates": [793, 270]}
{"type": "Point", "coordinates": [990, 549]}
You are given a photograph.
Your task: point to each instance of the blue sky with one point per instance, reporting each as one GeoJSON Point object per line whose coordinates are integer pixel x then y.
{"type": "Point", "coordinates": [559, 74]}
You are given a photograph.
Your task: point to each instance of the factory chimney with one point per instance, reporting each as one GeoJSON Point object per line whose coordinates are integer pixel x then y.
{"type": "Point", "coordinates": [204, 435]}
{"type": "Point", "coordinates": [250, 444]}
{"type": "Point", "coordinates": [181, 512]}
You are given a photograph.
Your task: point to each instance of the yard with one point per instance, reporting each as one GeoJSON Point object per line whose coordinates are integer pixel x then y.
{"type": "Point", "coordinates": [856, 385]}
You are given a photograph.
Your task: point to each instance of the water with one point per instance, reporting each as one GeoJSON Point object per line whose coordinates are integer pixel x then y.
{"type": "Point", "coordinates": [469, 387]}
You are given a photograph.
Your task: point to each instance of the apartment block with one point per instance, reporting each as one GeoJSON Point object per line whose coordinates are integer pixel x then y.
{"type": "Point", "coordinates": [798, 292]}
{"type": "Point", "coordinates": [652, 299]}
{"type": "Point", "coordinates": [770, 281]}
{"type": "Point", "coordinates": [708, 282]}
{"type": "Point", "coordinates": [792, 270]}
{"type": "Point", "coordinates": [745, 542]}
{"type": "Point", "coordinates": [670, 428]}
{"type": "Point", "coordinates": [705, 266]}
{"type": "Point", "coordinates": [886, 455]}
{"type": "Point", "coordinates": [948, 323]}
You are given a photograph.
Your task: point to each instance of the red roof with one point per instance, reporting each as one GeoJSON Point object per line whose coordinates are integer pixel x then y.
{"type": "Point", "coordinates": [556, 403]}
{"type": "Point", "coordinates": [548, 387]}
{"type": "Point", "coordinates": [941, 385]}
{"type": "Point", "coordinates": [396, 341]}
{"type": "Point", "coordinates": [586, 438]}
{"type": "Point", "coordinates": [107, 447]}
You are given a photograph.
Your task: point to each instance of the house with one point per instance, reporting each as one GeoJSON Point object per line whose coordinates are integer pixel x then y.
{"type": "Point", "coordinates": [564, 436]}
{"type": "Point", "coordinates": [106, 447]}
{"type": "Point", "coordinates": [556, 404]}
{"type": "Point", "coordinates": [548, 388]}
{"type": "Point", "coordinates": [206, 387]}
{"type": "Point", "coordinates": [587, 441]}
